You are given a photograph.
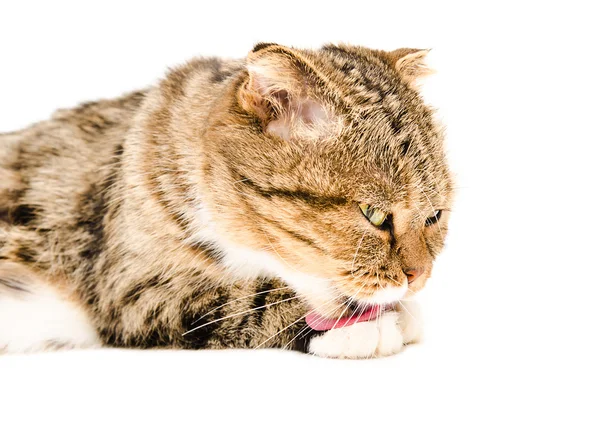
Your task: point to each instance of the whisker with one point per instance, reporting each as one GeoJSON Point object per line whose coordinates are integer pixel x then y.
{"type": "Point", "coordinates": [305, 328]}
{"type": "Point", "coordinates": [239, 313]}
{"type": "Point", "coordinates": [432, 208]}
{"type": "Point", "coordinates": [350, 317]}
{"type": "Point", "coordinates": [406, 310]}
{"type": "Point", "coordinates": [357, 249]}
{"type": "Point", "coordinates": [348, 304]}
{"type": "Point", "coordinates": [238, 299]}
{"type": "Point", "coordinates": [379, 313]}
{"type": "Point", "coordinates": [282, 330]}
{"type": "Point", "coordinates": [299, 319]}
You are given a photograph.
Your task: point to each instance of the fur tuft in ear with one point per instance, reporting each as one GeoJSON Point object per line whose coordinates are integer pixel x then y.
{"type": "Point", "coordinates": [410, 63]}
{"type": "Point", "coordinates": [278, 92]}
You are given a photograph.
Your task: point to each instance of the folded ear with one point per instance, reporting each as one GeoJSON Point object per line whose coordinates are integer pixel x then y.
{"type": "Point", "coordinates": [277, 91]}
{"type": "Point", "coordinates": [410, 63]}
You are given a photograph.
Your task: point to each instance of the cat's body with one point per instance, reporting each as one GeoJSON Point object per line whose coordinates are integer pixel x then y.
{"type": "Point", "coordinates": [191, 214]}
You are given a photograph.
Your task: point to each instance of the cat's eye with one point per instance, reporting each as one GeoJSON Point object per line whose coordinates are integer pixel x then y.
{"type": "Point", "coordinates": [434, 218]}
{"type": "Point", "coordinates": [374, 215]}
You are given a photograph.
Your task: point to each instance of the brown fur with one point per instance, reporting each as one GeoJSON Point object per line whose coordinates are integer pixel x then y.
{"type": "Point", "coordinates": [102, 200]}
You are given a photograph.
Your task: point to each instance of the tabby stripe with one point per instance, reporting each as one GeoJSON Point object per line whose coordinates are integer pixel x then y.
{"type": "Point", "coordinates": [134, 294]}
{"type": "Point", "coordinates": [198, 338]}
{"type": "Point", "coordinates": [25, 254]}
{"type": "Point", "coordinates": [294, 234]}
{"type": "Point", "coordinates": [158, 194]}
{"type": "Point", "coordinates": [13, 285]}
{"type": "Point", "coordinates": [22, 215]}
{"type": "Point", "coordinates": [302, 342]}
{"type": "Point", "coordinates": [294, 194]}
{"type": "Point", "coordinates": [259, 302]}
{"type": "Point", "coordinates": [210, 250]}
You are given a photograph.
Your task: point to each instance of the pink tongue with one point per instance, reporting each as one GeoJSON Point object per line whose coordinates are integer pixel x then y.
{"type": "Point", "coordinates": [318, 323]}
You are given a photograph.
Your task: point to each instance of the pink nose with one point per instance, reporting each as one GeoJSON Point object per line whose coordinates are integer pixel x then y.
{"type": "Point", "coordinates": [412, 274]}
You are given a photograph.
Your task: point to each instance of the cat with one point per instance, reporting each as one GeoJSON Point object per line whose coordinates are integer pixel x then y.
{"type": "Point", "coordinates": [246, 203]}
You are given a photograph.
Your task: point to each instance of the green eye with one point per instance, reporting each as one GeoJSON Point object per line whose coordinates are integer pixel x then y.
{"type": "Point", "coordinates": [374, 215]}
{"type": "Point", "coordinates": [434, 218]}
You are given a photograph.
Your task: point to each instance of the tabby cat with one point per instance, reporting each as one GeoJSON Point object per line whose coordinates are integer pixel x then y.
{"type": "Point", "coordinates": [294, 199]}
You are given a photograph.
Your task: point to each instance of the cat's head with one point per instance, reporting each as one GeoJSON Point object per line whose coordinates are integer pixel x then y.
{"type": "Point", "coordinates": [328, 170]}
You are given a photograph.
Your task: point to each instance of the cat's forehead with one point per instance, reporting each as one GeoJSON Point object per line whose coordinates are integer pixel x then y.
{"type": "Point", "coordinates": [395, 144]}
{"type": "Point", "coordinates": [386, 167]}
{"type": "Point", "coordinates": [383, 116]}
{"type": "Point", "coordinates": [384, 174]}
{"type": "Point", "coordinates": [362, 131]}
{"type": "Point", "coordinates": [363, 77]}
{"type": "Point", "coordinates": [392, 153]}
{"type": "Point", "coordinates": [405, 184]}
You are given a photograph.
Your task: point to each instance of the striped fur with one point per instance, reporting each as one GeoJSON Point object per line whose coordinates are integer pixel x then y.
{"type": "Point", "coordinates": [216, 209]}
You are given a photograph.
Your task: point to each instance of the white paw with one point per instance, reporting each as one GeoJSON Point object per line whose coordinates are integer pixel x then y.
{"type": "Point", "coordinates": [39, 318]}
{"type": "Point", "coordinates": [383, 337]}
{"type": "Point", "coordinates": [411, 321]}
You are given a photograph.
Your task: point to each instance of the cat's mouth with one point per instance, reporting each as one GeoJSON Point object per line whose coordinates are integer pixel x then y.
{"type": "Point", "coordinates": [356, 313]}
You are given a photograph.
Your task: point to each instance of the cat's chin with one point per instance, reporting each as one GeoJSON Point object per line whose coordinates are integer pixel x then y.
{"type": "Point", "coordinates": [386, 296]}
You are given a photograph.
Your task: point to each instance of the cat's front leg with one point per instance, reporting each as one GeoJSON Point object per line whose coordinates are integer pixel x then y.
{"type": "Point", "coordinates": [379, 337]}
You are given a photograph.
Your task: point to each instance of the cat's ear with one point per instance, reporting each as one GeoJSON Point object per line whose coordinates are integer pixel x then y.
{"type": "Point", "coordinates": [277, 91]}
{"type": "Point", "coordinates": [410, 64]}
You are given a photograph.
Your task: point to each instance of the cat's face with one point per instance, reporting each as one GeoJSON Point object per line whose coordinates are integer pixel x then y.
{"type": "Point", "coordinates": [336, 174]}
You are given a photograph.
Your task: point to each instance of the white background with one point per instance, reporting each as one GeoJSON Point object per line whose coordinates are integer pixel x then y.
{"type": "Point", "coordinates": [511, 310]}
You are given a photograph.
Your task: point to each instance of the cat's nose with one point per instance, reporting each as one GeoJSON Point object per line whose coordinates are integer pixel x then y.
{"type": "Point", "coordinates": [412, 274]}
